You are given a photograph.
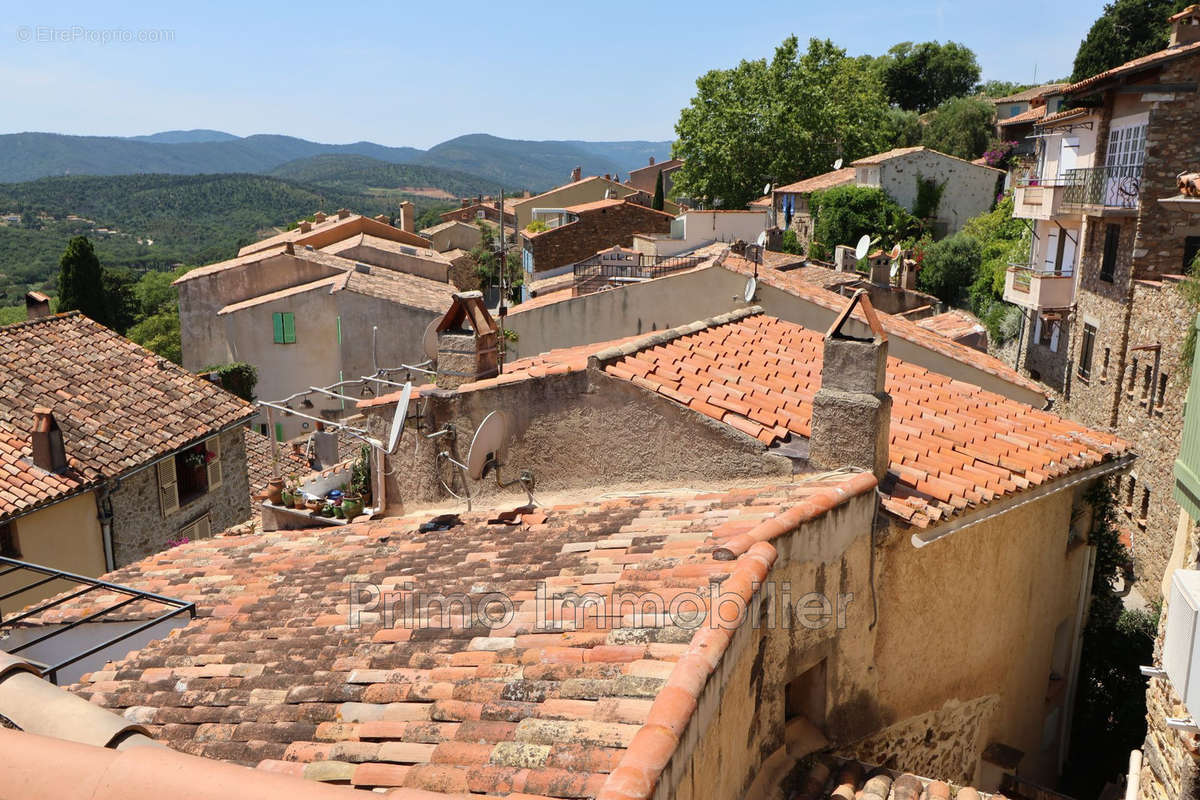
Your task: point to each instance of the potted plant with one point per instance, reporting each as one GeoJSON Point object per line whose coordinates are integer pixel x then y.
{"type": "Point", "coordinates": [352, 504]}
{"type": "Point", "coordinates": [314, 504]}
{"type": "Point", "coordinates": [298, 498]}
{"type": "Point", "coordinates": [360, 475]}
{"type": "Point", "coordinates": [286, 497]}
{"type": "Point", "coordinates": [275, 491]}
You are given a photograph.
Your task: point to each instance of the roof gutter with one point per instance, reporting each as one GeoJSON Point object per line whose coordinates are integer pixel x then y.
{"type": "Point", "coordinates": [928, 537]}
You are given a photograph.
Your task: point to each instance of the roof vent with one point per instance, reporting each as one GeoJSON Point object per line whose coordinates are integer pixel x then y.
{"type": "Point", "coordinates": [408, 251]}
{"type": "Point", "coordinates": [309, 247]}
{"type": "Point", "coordinates": [361, 267]}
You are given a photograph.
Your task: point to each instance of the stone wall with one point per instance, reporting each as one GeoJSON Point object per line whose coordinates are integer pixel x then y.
{"type": "Point", "coordinates": [945, 742]}
{"type": "Point", "coordinates": [594, 231]}
{"type": "Point", "coordinates": [1036, 359]}
{"type": "Point", "coordinates": [138, 526]}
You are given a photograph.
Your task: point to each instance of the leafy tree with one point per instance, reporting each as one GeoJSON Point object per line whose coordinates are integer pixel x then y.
{"type": "Point", "coordinates": [996, 89]}
{"type": "Point", "coordinates": [961, 127]}
{"type": "Point", "coordinates": [1127, 29]}
{"type": "Point", "coordinates": [929, 197]}
{"type": "Point", "coordinates": [921, 77]}
{"type": "Point", "coordinates": [657, 202]}
{"type": "Point", "coordinates": [903, 128]}
{"type": "Point", "coordinates": [159, 333]}
{"type": "Point", "coordinates": [949, 267]}
{"type": "Point", "coordinates": [81, 281]}
{"type": "Point", "coordinates": [487, 264]}
{"type": "Point", "coordinates": [119, 298]}
{"type": "Point", "coordinates": [777, 121]}
{"type": "Point", "coordinates": [238, 378]}
{"type": "Point", "coordinates": [1003, 240]}
{"type": "Point", "coordinates": [845, 213]}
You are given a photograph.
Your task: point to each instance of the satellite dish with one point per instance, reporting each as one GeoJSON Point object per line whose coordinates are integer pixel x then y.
{"type": "Point", "coordinates": [860, 249]}
{"type": "Point", "coordinates": [489, 448]}
{"type": "Point", "coordinates": [761, 241]}
{"type": "Point", "coordinates": [767, 189]}
{"type": "Point", "coordinates": [837, 164]}
{"type": "Point", "coordinates": [895, 254]}
{"type": "Point", "coordinates": [751, 288]}
{"type": "Point", "coordinates": [429, 340]}
{"type": "Point", "coordinates": [399, 417]}
{"type": "Point", "coordinates": [895, 269]}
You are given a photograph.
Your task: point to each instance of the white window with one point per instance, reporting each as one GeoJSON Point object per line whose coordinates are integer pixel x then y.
{"type": "Point", "coordinates": [1126, 146]}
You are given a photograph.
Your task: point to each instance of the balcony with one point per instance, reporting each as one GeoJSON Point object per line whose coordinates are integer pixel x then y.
{"type": "Point", "coordinates": [1038, 289]}
{"type": "Point", "coordinates": [1103, 188]}
{"type": "Point", "coordinates": [1036, 198]}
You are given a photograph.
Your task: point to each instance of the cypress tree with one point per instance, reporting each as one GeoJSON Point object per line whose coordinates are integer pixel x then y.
{"type": "Point", "coordinates": [657, 205]}
{"type": "Point", "coordinates": [81, 281]}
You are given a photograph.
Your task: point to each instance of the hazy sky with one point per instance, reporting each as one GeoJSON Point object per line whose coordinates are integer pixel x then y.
{"type": "Point", "coordinates": [418, 73]}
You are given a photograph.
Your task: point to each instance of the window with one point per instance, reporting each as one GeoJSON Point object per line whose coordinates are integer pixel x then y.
{"type": "Point", "coordinates": [1044, 332]}
{"type": "Point", "coordinates": [1191, 248]}
{"type": "Point", "coordinates": [1014, 110]}
{"type": "Point", "coordinates": [189, 475]}
{"type": "Point", "coordinates": [285, 327]}
{"type": "Point", "coordinates": [9, 546]}
{"type": "Point", "coordinates": [1112, 238]}
{"type": "Point", "coordinates": [1086, 345]}
{"type": "Point", "coordinates": [479, 214]}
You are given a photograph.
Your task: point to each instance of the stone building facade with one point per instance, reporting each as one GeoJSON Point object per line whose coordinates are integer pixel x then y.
{"type": "Point", "coordinates": [595, 226]}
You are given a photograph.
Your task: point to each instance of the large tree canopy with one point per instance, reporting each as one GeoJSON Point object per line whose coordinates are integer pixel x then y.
{"type": "Point", "coordinates": [920, 77]}
{"type": "Point", "coordinates": [960, 127]}
{"type": "Point", "coordinates": [81, 284]}
{"type": "Point", "coordinates": [777, 122]}
{"type": "Point", "coordinates": [1127, 29]}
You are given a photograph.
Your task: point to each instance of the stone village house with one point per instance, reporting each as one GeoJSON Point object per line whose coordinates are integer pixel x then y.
{"type": "Point", "coordinates": [109, 452]}
{"type": "Point", "coordinates": [1113, 239]}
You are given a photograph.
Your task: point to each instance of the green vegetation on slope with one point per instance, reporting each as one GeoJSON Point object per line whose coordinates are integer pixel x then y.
{"type": "Point", "coordinates": [364, 174]}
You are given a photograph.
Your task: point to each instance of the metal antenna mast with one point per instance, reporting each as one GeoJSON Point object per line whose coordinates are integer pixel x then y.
{"type": "Point", "coordinates": [503, 307]}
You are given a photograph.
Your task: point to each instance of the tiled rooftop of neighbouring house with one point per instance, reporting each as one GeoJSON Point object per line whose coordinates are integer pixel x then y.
{"type": "Point", "coordinates": [952, 324]}
{"type": "Point", "coordinates": [794, 282]}
{"type": "Point", "coordinates": [352, 224]}
{"type": "Point", "coordinates": [1031, 114]}
{"type": "Point", "coordinates": [398, 287]}
{"type": "Point", "coordinates": [119, 405]}
{"type": "Point", "coordinates": [899, 152]}
{"type": "Point", "coordinates": [1129, 68]}
{"type": "Point", "coordinates": [953, 445]}
{"type": "Point", "coordinates": [258, 461]}
{"type": "Point", "coordinates": [318, 256]}
{"type": "Point", "coordinates": [422, 252]}
{"type": "Point", "coordinates": [24, 486]}
{"type": "Point", "coordinates": [829, 776]}
{"type": "Point", "coordinates": [270, 672]}
{"type": "Point", "coordinates": [838, 177]}
{"type": "Point", "coordinates": [1032, 93]}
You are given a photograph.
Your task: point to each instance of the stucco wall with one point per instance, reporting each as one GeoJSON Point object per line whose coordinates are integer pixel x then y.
{"type": "Point", "coordinates": [202, 331]}
{"type": "Point", "coordinates": [970, 189]}
{"type": "Point", "coordinates": [399, 338]}
{"type": "Point", "coordinates": [570, 195]}
{"type": "Point", "coordinates": [139, 527]}
{"type": "Point", "coordinates": [424, 263]}
{"type": "Point", "coordinates": [64, 536]}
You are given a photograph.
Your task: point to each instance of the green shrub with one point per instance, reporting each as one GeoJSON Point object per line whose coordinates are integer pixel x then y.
{"type": "Point", "coordinates": [237, 378]}
{"type": "Point", "coordinates": [845, 213]}
{"type": "Point", "coordinates": [950, 267]}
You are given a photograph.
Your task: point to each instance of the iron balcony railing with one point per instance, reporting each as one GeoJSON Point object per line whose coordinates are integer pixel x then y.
{"type": "Point", "coordinates": [153, 610]}
{"type": "Point", "coordinates": [1105, 187]}
{"type": "Point", "coordinates": [596, 273]}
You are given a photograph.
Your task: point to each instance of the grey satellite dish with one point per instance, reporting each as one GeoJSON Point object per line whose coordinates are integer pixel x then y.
{"type": "Point", "coordinates": [761, 241]}
{"type": "Point", "coordinates": [860, 249]}
{"type": "Point", "coordinates": [751, 288]}
{"type": "Point", "coordinates": [837, 164]}
{"type": "Point", "coordinates": [429, 340]}
{"type": "Point", "coordinates": [399, 417]}
{"type": "Point", "coordinates": [489, 448]}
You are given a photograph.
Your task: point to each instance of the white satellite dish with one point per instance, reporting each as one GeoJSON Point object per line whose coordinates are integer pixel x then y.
{"type": "Point", "coordinates": [399, 417]}
{"type": "Point", "coordinates": [751, 288]}
{"type": "Point", "coordinates": [895, 269]}
{"type": "Point", "coordinates": [767, 189]}
{"type": "Point", "coordinates": [837, 164]}
{"type": "Point", "coordinates": [761, 241]}
{"type": "Point", "coordinates": [895, 254]}
{"type": "Point", "coordinates": [489, 448]}
{"type": "Point", "coordinates": [860, 249]}
{"type": "Point", "coordinates": [429, 340]}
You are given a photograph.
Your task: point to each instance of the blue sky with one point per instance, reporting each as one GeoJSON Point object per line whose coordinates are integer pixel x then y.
{"type": "Point", "coordinates": [415, 74]}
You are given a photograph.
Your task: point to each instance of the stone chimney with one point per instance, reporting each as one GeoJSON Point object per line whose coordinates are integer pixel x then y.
{"type": "Point", "coordinates": [1185, 26]}
{"type": "Point", "coordinates": [407, 216]}
{"type": "Point", "coordinates": [496, 204]}
{"type": "Point", "coordinates": [466, 337]}
{"type": "Point", "coordinates": [36, 305]}
{"type": "Point", "coordinates": [382, 218]}
{"type": "Point", "coordinates": [49, 453]}
{"type": "Point", "coordinates": [843, 258]}
{"type": "Point", "coordinates": [304, 225]}
{"type": "Point", "coordinates": [651, 161]}
{"type": "Point", "coordinates": [319, 217]}
{"type": "Point", "coordinates": [908, 273]}
{"type": "Point", "coordinates": [343, 213]}
{"type": "Point", "coordinates": [881, 268]}
{"type": "Point", "coordinates": [576, 174]}
{"type": "Point", "coordinates": [289, 248]}
{"type": "Point", "coordinates": [852, 412]}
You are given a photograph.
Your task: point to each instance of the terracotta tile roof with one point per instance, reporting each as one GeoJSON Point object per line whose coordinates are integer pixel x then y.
{"type": "Point", "coordinates": [543, 299]}
{"type": "Point", "coordinates": [1031, 114]}
{"type": "Point", "coordinates": [596, 205]}
{"type": "Point", "coordinates": [398, 287]}
{"type": "Point", "coordinates": [793, 282]}
{"type": "Point", "coordinates": [953, 445]}
{"type": "Point", "coordinates": [323, 231]}
{"type": "Point", "coordinates": [317, 256]}
{"type": "Point", "coordinates": [1136, 65]}
{"type": "Point", "coordinates": [1060, 116]}
{"type": "Point", "coordinates": [838, 177]}
{"type": "Point", "coordinates": [118, 404]}
{"type": "Point", "coordinates": [952, 324]}
{"type": "Point", "coordinates": [1032, 93]}
{"type": "Point", "coordinates": [830, 776]}
{"type": "Point", "coordinates": [423, 252]}
{"type": "Point", "coordinates": [271, 673]}
{"type": "Point", "coordinates": [24, 486]}
{"type": "Point", "coordinates": [258, 460]}
{"type": "Point", "coordinates": [899, 152]}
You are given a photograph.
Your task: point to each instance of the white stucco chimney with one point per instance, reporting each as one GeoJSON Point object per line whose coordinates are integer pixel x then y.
{"type": "Point", "coordinates": [407, 216]}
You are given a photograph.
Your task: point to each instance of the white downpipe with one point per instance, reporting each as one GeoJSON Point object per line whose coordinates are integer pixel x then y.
{"type": "Point", "coordinates": [1133, 781]}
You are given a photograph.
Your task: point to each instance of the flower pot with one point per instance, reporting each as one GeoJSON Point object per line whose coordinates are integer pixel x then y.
{"type": "Point", "coordinates": [352, 506]}
{"type": "Point", "coordinates": [339, 512]}
{"type": "Point", "coordinates": [275, 491]}
{"type": "Point", "coordinates": [313, 505]}
{"type": "Point", "coordinates": [298, 500]}
{"type": "Point", "coordinates": [286, 498]}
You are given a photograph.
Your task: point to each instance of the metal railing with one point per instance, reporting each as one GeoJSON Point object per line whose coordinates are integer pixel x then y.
{"type": "Point", "coordinates": [47, 576]}
{"type": "Point", "coordinates": [595, 274]}
{"type": "Point", "coordinates": [1106, 187]}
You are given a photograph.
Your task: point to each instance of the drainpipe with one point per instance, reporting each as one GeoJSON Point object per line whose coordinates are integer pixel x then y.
{"type": "Point", "coordinates": [1134, 779]}
{"type": "Point", "coordinates": [104, 514]}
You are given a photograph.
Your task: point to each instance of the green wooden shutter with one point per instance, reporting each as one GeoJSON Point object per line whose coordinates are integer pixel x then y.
{"type": "Point", "coordinates": [289, 327]}
{"type": "Point", "coordinates": [1187, 465]}
{"type": "Point", "coordinates": [279, 431]}
{"type": "Point", "coordinates": [277, 320]}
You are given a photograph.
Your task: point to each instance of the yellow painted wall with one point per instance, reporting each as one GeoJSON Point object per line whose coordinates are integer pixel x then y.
{"type": "Point", "coordinates": [64, 536]}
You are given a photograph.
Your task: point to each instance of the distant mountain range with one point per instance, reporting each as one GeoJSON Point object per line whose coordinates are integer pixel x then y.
{"type": "Point", "coordinates": [511, 163]}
